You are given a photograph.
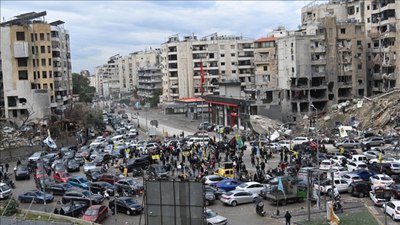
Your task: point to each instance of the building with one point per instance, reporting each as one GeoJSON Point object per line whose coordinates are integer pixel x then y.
{"type": "Point", "coordinates": [36, 67]}
{"type": "Point", "coordinates": [219, 57]}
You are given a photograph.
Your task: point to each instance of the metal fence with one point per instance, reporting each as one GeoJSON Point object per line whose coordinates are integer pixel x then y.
{"type": "Point", "coordinates": [13, 221]}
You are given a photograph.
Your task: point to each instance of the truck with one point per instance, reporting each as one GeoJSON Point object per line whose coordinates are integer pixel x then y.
{"type": "Point", "coordinates": [294, 191]}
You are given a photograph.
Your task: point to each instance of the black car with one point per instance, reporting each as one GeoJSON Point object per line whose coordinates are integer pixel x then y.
{"type": "Point", "coordinates": [129, 186]}
{"type": "Point", "coordinates": [101, 186]}
{"type": "Point", "coordinates": [93, 175]}
{"type": "Point", "coordinates": [59, 188]}
{"type": "Point", "coordinates": [82, 195]}
{"type": "Point", "coordinates": [359, 188]}
{"type": "Point", "coordinates": [22, 173]}
{"type": "Point", "coordinates": [209, 198]}
{"type": "Point", "coordinates": [156, 171]}
{"type": "Point", "coordinates": [126, 205]}
{"type": "Point", "coordinates": [216, 191]}
{"type": "Point", "coordinates": [80, 160]}
{"type": "Point", "coordinates": [72, 209]}
{"type": "Point", "coordinates": [380, 168]}
{"type": "Point", "coordinates": [138, 163]}
{"type": "Point", "coordinates": [101, 159]}
{"type": "Point", "coordinates": [72, 166]}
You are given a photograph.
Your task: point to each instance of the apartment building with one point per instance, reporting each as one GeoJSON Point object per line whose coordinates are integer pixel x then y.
{"type": "Point", "coordinates": [220, 58]}
{"type": "Point", "coordinates": [36, 67]}
{"type": "Point", "coordinates": [149, 75]}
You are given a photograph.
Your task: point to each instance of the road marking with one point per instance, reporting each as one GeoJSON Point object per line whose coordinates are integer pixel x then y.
{"type": "Point", "coordinates": [374, 213]}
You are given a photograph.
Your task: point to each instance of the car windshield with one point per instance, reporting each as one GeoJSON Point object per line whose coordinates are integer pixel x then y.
{"type": "Point", "coordinates": [36, 154]}
{"type": "Point", "coordinates": [4, 187]}
{"type": "Point", "coordinates": [22, 168]}
{"type": "Point", "coordinates": [91, 212]}
{"type": "Point", "coordinates": [130, 201]}
{"type": "Point", "coordinates": [159, 169]}
{"type": "Point", "coordinates": [107, 185]}
{"type": "Point", "coordinates": [82, 180]}
{"type": "Point", "coordinates": [229, 193]}
{"type": "Point", "coordinates": [243, 185]}
{"type": "Point", "coordinates": [395, 165]}
{"type": "Point", "coordinates": [211, 214]}
{"type": "Point", "coordinates": [132, 182]}
{"type": "Point", "coordinates": [64, 175]}
{"type": "Point", "coordinates": [67, 185]}
{"type": "Point", "coordinates": [38, 193]}
{"type": "Point", "coordinates": [385, 178]}
{"type": "Point", "coordinates": [87, 193]}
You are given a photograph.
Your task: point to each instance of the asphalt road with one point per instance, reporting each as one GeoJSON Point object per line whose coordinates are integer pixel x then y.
{"type": "Point", "coordinates": [239, 215]}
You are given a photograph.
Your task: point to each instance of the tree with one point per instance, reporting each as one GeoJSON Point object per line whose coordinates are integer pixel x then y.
{"type": "Point", "coordinates": [155, 99]}
{"type": "Point", "coordinates": [80, 86]}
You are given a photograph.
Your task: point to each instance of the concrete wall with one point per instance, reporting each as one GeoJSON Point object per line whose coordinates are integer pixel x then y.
{"type": "Point", "coordinates": [15, 153]}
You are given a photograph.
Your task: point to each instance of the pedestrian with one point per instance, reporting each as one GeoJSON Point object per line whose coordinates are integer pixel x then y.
{"type": "Point", "coordinates": [7, 166]}
{"type": "Point", "coordinates": [288, 217]}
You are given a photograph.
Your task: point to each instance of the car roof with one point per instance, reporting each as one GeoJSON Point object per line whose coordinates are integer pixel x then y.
{"type": "Point", "coordinates": [95, 207]}
{"type": "Point", "coordinates": [251, 182]}
{"type": "Point", "coordinates": [236, 191]}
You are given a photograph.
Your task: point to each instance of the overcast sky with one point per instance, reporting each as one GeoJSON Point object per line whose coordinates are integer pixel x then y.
{"type": "Point", "coordinates": [100, 29]}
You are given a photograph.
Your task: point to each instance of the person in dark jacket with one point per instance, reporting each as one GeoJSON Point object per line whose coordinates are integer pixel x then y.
{"type": "Point", "coordinates": [288, 217]}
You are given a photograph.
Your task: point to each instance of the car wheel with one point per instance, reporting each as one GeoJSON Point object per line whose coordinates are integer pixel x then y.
{"type": "Point", "coordinates": [207, 202]}
{"type": "Point", "coordinates": [234, 203]}
{"type": "Point", "coordinates": [361, 195]}
{"type": "Point", "coordinates": [128, 212]}
{"type": "Point", "coordinates": [393, 217]}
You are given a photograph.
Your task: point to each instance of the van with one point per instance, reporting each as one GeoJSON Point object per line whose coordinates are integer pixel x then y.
{"type": "Point", "coordinates": [359, 158]}
{"type": "Point", "coordinates": [198, 140]}
{"type": "Point", "coordinates": [117, 138]}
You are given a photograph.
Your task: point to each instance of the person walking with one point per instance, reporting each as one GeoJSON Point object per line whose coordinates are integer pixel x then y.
{"type": "Point", "coordinates": [7, 166]}
{"type": "Point", "coordinates": [287, 218]}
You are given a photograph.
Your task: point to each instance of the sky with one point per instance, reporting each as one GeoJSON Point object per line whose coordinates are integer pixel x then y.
{"type": "Point", "coordinates": [101, 29]}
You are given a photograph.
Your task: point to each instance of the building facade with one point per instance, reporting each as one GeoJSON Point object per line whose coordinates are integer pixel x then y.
{"type": "Point", "coordinates": [36, 67]}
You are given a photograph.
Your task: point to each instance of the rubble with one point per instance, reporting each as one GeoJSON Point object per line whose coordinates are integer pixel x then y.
{"type": "Point", "coordinates": [378, 113]}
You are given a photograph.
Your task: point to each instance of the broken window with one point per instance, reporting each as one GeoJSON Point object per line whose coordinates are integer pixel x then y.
{"type": "Point", "coordinates": [343, 30]}
{"type": "Point", "coordinates": [20, 36]}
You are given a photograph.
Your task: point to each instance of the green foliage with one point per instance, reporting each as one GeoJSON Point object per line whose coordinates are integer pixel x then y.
{"type": "Point", "coordinates": [86, 116]}
{"type": "Point", "coordinates": [9, 207]}
{"type": "Point", "coordinates": [155, 99]}
{"type": "Point", "coordinates": [80, 86]}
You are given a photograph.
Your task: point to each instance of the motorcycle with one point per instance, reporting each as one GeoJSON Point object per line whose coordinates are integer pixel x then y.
{"type": "Point", "coordinates": [260, 209]}
{"type": "Point", "coordinates": [337, 205]}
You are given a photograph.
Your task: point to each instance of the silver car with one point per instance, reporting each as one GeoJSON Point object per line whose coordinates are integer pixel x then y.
{"type": "Point", "coordinates": [347, 143]}
{"type": "Point", "coordinates": [235, 197]}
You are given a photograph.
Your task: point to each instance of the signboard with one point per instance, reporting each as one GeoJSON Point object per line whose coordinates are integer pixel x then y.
{"type": "Point", "coordinates": [174, 202]}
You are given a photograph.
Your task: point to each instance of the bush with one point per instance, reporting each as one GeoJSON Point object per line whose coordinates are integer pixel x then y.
{"type": "Point", "coordinates": [9, 207]}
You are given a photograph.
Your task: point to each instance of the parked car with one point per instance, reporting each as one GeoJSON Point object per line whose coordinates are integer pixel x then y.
{"type": "Point", "coordinates": [381, 180]}
{"type": "Point", "coordinates": [88, 166]}
{"type": "Point", "coordinates": [352, 166]}
{"type": "Point", "coordinates": [129, 186]}
{"type": "Point", "coordinates": [95, 213]}
{"type": "Point", "coordinates": [236, 197]}
{"type": "Point", "coordinates": [217, 192]}
{"type": "Point", "coordinates": [380, 195]}
{"type": "Point", "coordinates": [252, 187]}
{"type": "Point", "coordinates": [36, 156]}
{"type": "Point", "coordinates": [109, 178]}
{"type": "Point", "coordinates": [395, 190]}
{"type": "Point", "coordinates": [213, 218]}
{"type": "Point", "coordinates": [385, 159]}
{"type": "Point", "coordinates": [326, 186]}
{"type": "Point", "coordinates": [372, 141]}
{"type": "Point", "coordinates": [364, 174]}
{"type": "Point", "coordinates": [206, 126]}
{"type": "Point", "coordinates": [22, 173]}
{"type": "Point", "coordinates": [380, 168]}
{"type": "Point", "coordinates": [348, 143]}
{"type": "Point", "coordinates": [392, 208]}
{"type": "Point", "coordinates": [72, 209]}
{"type": "Point", "coordinates": [299, 140]}
{"type": "Point", "coordinates": [59, 188]}
{"type": "Point", "coordinates": [82, 195]}
{"type": "Point", "coordinates": [228, 184]}
{"type": "Point", "coordinates": [35, 196]}
{"type": "Point", "coordinates": [351, 177]}
{"type": "Point", "coordinates": [126, 205]}
{"type": "Point", "coordinates": [212, 179]}
{"type": "Point", "coordinates": [78, 181]}
{"type": "Point", "coordinates": [93, 174]}
{"type": "Point", "coordinates": [5, 191]}
{"type": "Point", "coordinates": [138, 163]}
{"type": "Point", "coordinates": [100, 187]}
{"type": "Point", "coordinates": [338, 159]}
{"type": "Point", "coordinates": [348, 153]}
{"type": "Point", "coordinates": [359, 188]}
{"type": "Point", "coordinates": [326, 164]}
{"type": "Point", "coordinates": [156, 171]}
{"type": "Point", "coordinates": [371, 154]}
{"type": "Point", "coordinates": [61, 177]}
{"type": "Point", "coordinates": [209, 198]}
{"type": "Point", "coordinates": [72, 165]}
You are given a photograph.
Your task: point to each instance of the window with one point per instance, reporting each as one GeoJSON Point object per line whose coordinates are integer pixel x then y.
{"type": "Point", "coordinates": [222, 55]}
{"type": "Point", "coordinates": [265, 68]}
{"type": "Point", "coordinates": [51, 86]}
{"type": "Point", "coordinates": [38, 86]}
{"type": "Point", "coordinates": [44, 74]}
{"type": "Point", "coordinates": [23, 75]}
{"type": "Point", "coordinates": [31, 36]}
{"type": "Point", "coordinates": [38, 75]}
{"type": "Point", "coordinates": [42, 49]}
{"type": "Point", "coordinates": [49, 62]}
{"type": "Point", "coordinates": [41, 35]}
{"type": "Point", "coordinates": [369, 45]}
{"type": "Point", "coordinates": [33, 50]}
{"type": "Point", "coordinates": [43, 62]}
{"type": "Point", "coordinates": [358, 42]}
{"type": "Point", "coordinates": [15, 113]}
{"type": "Point", "coordinates": [222, 47]}
{"type": "Point", "coordinates": [22, 62]}
{"type": "Point", "coordinates": [359, 66]}
{"type": "Point", "coordinates": [343, 30]}
{"type": "Point", "coordinates": [233, 54]}
{"type": "Point", "coordinates": [50, 74]}
{"type": "Point", "coordinates": [36, 37]}
{"type": "Point", "coordinates": [34, 75]}
{"type": "Point", "coordinates": [292, 69]}
{"type": "Point", "coordinates": [369, 20]}
{"type": "Point", "coordinates": [232, 46]}
{"type": "Point", "coordinates": [48, 49]}
{"type": "Point", "coordinates": [20, 36]}
{"type": "Point", "coordinates": [367, 7]}
{"type": "Point", "coordinates": [48, 36]}
{"type": "Point", "coordinates": [222, 63]}
{"type": "Point", "coordinates": [233, 71]}
{"type": "Point", "coordinates": [44, 86]}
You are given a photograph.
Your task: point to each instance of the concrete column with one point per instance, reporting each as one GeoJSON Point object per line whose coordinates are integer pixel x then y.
{"type": "Point", "coordinates": [225, 115]}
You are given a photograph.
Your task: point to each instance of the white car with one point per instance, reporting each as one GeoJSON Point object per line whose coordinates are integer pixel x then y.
{"type": "Point", "coordinates": [36, 156]}
{"type": "Point", "coordinates": [252, 187]}
{"type": "Point", "coordinates": [351, 177]}
{"type": "Point", "coordinates": [338, 159]}
{"type": "Point", "coordinates": [385, 159]}
{"type": "Point", "coordinates": [380, 195]}
{"type": "Point", "coordinates": [352, 166]}
{"type": "Point", "coordinates": [284, 143]}
{"type": "Point", "coordinates": [214, 219]}
{"type": "Point", "coordinates": [299, 140]}
{"type": "Point", "coordinates": [395, 167]}
{"type": "Point", "coordinates": [89, 166]}
{"type": "Point", "coordinates": [338, 171]}
{"type": "Point", "coordinates": [326, 164]}
{"type": "Point", "coordinates": [326, 186]}
{"type": "Point", "coordinates": [371, 154]}
{"type": "Point", "coordinates": [381, 180]}
{"type": "Point", "coordinates": [212, 179]}
{"type": "Point", "coordinates": [392, 208]}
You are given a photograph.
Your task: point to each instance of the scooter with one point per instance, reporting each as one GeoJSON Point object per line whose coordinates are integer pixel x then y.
{"type": "Point", "coordinates": [260, 209]}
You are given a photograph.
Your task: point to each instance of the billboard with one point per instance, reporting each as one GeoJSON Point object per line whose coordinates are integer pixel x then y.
{"type": "Point", "coordinates": [174, 202]}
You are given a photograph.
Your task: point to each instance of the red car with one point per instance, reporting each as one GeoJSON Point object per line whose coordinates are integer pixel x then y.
{"type": "Point", "coordinates": [109, 178]}
{"type": "Point", "coordinates": [40, 173]}
{"type": "Point", "coordinates": [61, 177]}
{"type": "Point", "coordinates": [95, 213]}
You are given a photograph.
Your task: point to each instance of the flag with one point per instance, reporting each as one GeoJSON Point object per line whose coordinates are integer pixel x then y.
{"type": "Point", "coordinates": [280, 186]}
{"type": "Point", "coordinates": [380, 158]}
{"type": "Point", "coordinates": [202, 78]}
{"type": "Point", "coordinates": [333, 217]}
{"type": "Point", "coordinates": [239, 141]}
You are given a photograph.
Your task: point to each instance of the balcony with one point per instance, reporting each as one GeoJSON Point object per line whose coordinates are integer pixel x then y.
{"type": "Point", "coordinates": [318, 62]}
{"type": "Point", "coordinates": [318, 49]}
{"type": "Point", "coordinates": [21, 49]}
